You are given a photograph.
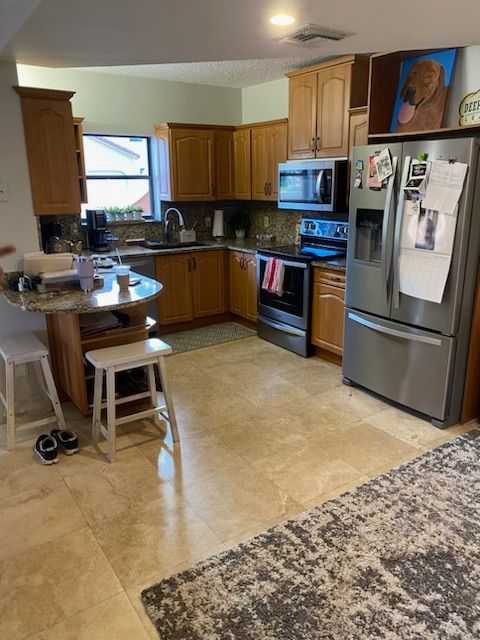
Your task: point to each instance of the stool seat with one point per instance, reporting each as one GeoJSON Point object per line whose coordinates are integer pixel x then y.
{"type": "Point", "coordinates": [18, 347]}
{"type": "Point", "coordinates": [128, 354]}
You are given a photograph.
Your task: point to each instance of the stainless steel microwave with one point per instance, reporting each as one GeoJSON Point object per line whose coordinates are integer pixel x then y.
{"type": "Point", "coordinates": [313, 185]}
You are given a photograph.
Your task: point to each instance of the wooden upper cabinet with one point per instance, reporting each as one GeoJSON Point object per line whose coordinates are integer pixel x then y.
{"type": "Point", "coordinates": [51, 150]}
{"type": "Point", "coordinates": [302, 115]}
{"type": "Point", "coordinates": [332, 111]}
{"type": "Point", "coordinates": [209, 286]}
{"type": "Point", "coordinates": [80, 157]}
{"type": "Point", "coordinates": [269, 148]}
{"type": "Point", "coordinates": [242, 164]}
{"type": "Point", "coordinates": [192, 164]}
{"type": "Point", "coordinates": [319, 103]}
{"type": "Point", "coordinates": [358, 129]}
{"type": "Point", "coordinates": [224, 167]}
{"type": "Point", "coordinates": [175, 301]}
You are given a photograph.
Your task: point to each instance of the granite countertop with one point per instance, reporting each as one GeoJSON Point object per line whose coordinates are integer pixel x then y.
{"type": "Point", "coordinates": [338, 264]}
{"type": "Point", "coordinates": [106, 298]}
{"type": "Point", "coordinates": [248, 246]}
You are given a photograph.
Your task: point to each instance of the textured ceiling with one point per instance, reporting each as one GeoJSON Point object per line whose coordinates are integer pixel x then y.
{"type": "Point", "coordinates": [226, 73]}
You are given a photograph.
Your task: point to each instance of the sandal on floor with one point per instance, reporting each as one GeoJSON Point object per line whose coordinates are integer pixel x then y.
{"type": "Point", "coordinates": [65, 439]}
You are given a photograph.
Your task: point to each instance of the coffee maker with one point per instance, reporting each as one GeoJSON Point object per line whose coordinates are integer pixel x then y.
{"type": "Point", "coordinates": [98, 236]}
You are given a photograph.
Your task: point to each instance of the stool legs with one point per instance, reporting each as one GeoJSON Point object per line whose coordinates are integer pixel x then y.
{"type": "Point", "coordinates": [152, 386]}
{"type": "Point", "coordinates": [10, 400]}
{"type": "Point", "coordinates": [111, 415]}
{"type": "Point", "coordinates": [97, 403]}
{"type": "Point", "coordinates": [52, 391]}
{"type": "Point", "coordinates": [168, 398]}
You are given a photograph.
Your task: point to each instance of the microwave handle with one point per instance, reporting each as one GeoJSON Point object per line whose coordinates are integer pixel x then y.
{"type": "Point", "coordinates": [318, 184]}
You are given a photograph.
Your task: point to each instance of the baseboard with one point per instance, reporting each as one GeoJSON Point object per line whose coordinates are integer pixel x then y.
{"type": "Point", "coordinates": [328, 355]}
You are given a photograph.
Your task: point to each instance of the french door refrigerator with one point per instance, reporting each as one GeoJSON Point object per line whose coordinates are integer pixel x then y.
{"type": "Point", "coordinates": [409, 350]}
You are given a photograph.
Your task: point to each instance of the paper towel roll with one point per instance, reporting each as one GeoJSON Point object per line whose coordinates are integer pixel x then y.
{"type": "Point", "coordinates": [218, 230]}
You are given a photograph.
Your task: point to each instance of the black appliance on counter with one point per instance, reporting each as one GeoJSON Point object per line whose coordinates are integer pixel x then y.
{"type": "Point", "coordinates": [286, 320]}
{"type": "Point", "coordinates": [98, 235]}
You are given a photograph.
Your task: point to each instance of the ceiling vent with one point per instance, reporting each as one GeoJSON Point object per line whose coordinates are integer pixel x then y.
{"type": "Point", "coordinates": [312, 35]}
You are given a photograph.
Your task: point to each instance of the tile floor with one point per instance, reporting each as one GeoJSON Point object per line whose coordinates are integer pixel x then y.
{"type": "Point", "coordinates": [265, 435]}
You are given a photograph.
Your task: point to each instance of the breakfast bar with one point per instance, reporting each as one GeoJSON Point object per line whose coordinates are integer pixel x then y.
{"type": "Point", "coordinates": [80, 321]}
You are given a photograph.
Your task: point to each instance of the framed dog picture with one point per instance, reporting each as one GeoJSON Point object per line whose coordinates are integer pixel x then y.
{"type": "Point", "coordinates": [422, 91]}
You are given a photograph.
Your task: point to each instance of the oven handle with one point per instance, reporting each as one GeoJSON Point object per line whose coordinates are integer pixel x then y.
{"type": "Point", "coordinates": [318, 185]}
{"type": "Point", "coordinates": [283, 328]}
{"type": "Point", "coordinates": [287, 263]}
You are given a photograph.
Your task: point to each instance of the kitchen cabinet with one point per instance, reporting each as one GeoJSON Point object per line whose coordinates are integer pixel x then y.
{"type": "Point", "coordinates": [328, 309]}
{"type": "Point", "coordinates": [319, 101]}
{"type": "Point", "coordinates": [194, 285]}
{"type": "Point", "coordinates": [224, 166]}
{"type": "Point", "coordinates": [358, 128]}
{"type": "Point", "coordinates": [51, 150]}
{"type": "Point", "coordinates": [242, 164]}
{"type": "Point", "coordinates": [269, 148]}
{"type": "Point", "coordinates": [243, 284]}
{"type": "Point", "coordinates": [80, 158]}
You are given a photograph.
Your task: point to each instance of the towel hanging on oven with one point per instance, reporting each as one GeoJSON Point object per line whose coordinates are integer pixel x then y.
{"type": "Point", "coordinates": [274, 276]}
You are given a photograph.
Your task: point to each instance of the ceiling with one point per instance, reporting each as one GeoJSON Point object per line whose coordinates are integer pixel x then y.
{"type": "Point", "coordinates": [88, 33]}
{"type": "Point", "coordinates": [225, 73]}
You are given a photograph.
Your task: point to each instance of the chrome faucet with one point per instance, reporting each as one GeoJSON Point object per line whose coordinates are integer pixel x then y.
{"type": "Point", "coordinates": [168, 220]}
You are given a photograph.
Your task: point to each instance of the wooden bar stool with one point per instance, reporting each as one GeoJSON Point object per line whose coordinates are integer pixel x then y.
{"type": "Point", "coordinates": [25, 348]}
{"type": "Point", "coordinates": [129, 356]}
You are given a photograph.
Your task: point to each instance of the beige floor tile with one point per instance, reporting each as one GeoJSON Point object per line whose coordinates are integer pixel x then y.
{"type": "Point", "coordinates": [314, 378]}
{"type": "Point", "coordinates": [153, 537]}
{"type": "Point", "coordinates": [335, 493]}
{"type": "Point", "coordinates": [106, 490]}
{"type": "Point", "coordinates": [307, 472]}
{"type": "Point", "coordinates": [43, 586]}
{"type": "Point", "coordinates": [113, 619]}
{"type": "Point", "coordinates": [20, 471]}
{"type": "Point", "coordinates": [243, 500]}
{"type": "Point", "coordinates": [366, 448]}
{"type": "Point", "coordinates": [36, 516]}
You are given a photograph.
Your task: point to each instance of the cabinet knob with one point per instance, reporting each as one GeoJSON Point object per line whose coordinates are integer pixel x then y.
{"type": "Point", "coordinates": [265, 188]}
{"type": "Point", "coordinates": [194, 263]}
{"type": "Point", "coordinates": [312, 145]}
{"type": "Point", "coordinates": [317, 146]}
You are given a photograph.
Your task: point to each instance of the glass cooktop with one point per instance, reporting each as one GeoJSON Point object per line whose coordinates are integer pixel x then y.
{"type": "Point", "coordinates": [305, 252]}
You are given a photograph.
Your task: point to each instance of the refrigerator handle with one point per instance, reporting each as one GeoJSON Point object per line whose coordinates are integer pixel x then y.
{"type": "Point", "coordinates": [394, 332]}
{"type": "Point", "coordinates": [397, 234]}
{"type": "Point", "coordinates": [387, 258]}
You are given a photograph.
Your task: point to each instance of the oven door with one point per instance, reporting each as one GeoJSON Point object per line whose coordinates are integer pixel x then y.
{"type": "Point", "coordinates": [293, 307]}
{"type": "Point", "coordinates": [306, 186]}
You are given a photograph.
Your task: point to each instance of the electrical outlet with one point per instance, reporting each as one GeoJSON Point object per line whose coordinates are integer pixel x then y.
{"type": "Point", "coordinates": [4, 192]}
{"type": "Point", "coordinates": [265, 222]}
{"type": "Point", "coordinates": [208, 221]}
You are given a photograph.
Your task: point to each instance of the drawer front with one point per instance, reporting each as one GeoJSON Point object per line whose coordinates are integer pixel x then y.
{"type": "Point", "coordinates": [329, 276]}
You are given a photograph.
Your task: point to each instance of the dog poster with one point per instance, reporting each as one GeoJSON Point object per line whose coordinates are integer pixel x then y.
{"type": "Point", "coordinates": [422, 91]}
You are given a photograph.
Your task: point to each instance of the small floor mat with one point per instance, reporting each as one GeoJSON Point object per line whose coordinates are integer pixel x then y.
{"type": "Point", "coordinates": [206, 336]}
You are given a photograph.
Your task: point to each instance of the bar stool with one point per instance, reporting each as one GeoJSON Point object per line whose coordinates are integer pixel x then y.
{"type": "Point", "coordinates": [25, 348]}
{"type": "Point", "coordinates": [148, 353]}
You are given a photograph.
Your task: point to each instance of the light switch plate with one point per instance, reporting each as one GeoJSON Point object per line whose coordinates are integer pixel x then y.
{"type": "Point", "coordinates": [4, 192]}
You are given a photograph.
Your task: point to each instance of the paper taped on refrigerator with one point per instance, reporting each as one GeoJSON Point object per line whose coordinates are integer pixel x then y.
{"type": "Point", "coordinates": [444, 186]}
{"type": "Point", "coordinates": [425, 251]}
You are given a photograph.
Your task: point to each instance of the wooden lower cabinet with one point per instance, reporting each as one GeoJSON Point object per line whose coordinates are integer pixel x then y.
{"type": "Point", "coordinates": [243, 284]}
{"type": "Point", "coordinates": [328, 310]}
{"type": "Point", "coordinates": [194, 285]}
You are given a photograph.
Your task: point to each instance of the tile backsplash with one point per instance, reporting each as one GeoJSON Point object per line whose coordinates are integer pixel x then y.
{"type": "Point", "coordinates": [264, 218]}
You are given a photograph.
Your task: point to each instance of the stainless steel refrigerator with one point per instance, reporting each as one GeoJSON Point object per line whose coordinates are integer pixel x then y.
{"type": "Point", "coordinates": [409, 350]}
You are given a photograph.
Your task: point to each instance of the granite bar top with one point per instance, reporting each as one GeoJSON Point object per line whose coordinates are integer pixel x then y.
{"type": "Point", "coordinates": [106, 298]}
{"type": "Point", "coordinates": [338, 264]}
{"type": "Point", "coordinates": [247, 246]}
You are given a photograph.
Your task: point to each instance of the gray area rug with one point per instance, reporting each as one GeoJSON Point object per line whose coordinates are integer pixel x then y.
{"type": "Point", "coordinates": [206, 336]}
{"type": "Point", "coordinates": [397, 558]}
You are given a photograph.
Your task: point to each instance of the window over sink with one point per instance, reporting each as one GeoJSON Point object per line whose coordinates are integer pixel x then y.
{"type": "Point", "coordinates": [119, 176]}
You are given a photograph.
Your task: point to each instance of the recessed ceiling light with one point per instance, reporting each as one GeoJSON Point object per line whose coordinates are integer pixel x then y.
{"type": "Point", "coordinates": [282, 20]}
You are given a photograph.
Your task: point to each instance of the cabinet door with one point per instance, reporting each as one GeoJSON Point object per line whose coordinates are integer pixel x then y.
{"type": "Point", "coordinates": [237, 283]}
{"type": "Point", "coordinates": [260, 163]}
{"type": "Point", "coordinates": [251, 287]}
{"type": "Point", "coordinates": [242, 164]}
{"type": "Point", "coordinates": [51, 151]}
{"type": "Point", "coordinates": [175, 300]}
{"type": "Point", "coordinates": [358, 130]}
{"type": "Point", "coordinates": [208, 275]}
{"type": "Point", "coordinates": [192, 164]}
{"type": "Point", "coordinates": [162, 137]}
{"type": "Point", "coordinates": [302, 117]}
{"type": "Point", "coordinates": [224, 171]}
{"type": "Point", "coordinates": [327, 319]}
{"type": "Point", "coordinates": [277, 152]}
{"type": "Point", "coordinates": [332, 111]}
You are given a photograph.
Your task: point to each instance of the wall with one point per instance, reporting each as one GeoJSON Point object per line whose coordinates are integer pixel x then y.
{"type": "Point", "coordinates": [121, 104]}
{"type": "Point", "coordinates": [18, 224]}
{"type": "Point", "coordinates": [267, 101]}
